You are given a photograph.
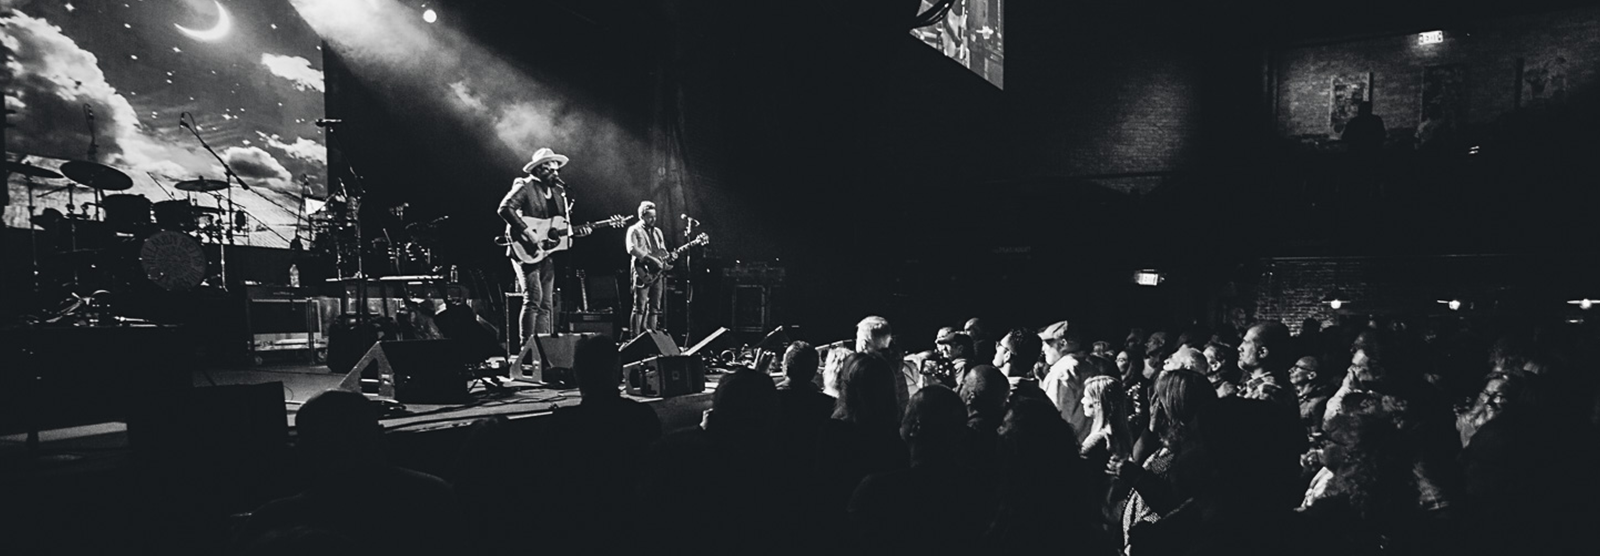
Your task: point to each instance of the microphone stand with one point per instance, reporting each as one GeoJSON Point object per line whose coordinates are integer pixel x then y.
{"type": "Point", "coordinates": [228, 176]}
{"type": "Point", "coordinates": [688, 283]}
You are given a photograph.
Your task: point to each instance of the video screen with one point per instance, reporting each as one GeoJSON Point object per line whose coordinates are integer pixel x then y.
{"type": "Point", "coordinates": [972, 33]}
{"type": "Point", "coordinates": [98, 87]}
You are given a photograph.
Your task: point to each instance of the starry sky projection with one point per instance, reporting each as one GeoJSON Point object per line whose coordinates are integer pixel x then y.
{"type": "Point", "coordinates": [249, 72]}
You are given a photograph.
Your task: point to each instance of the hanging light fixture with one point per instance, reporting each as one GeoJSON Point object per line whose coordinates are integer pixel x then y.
{"type": "Point", "coordinates": [1336, 299]}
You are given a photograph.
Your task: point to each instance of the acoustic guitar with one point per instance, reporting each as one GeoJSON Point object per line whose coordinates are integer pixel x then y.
{"type": "Point", "coordinates": [552, 235]}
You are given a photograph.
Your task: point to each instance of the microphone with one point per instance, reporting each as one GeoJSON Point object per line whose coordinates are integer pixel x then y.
{"type": "Point", "coordinates": [325, 122]}
{"type": "Point", "coordinates": [554, 177]}
{"type": "Point", "coordinates": [688, 218]}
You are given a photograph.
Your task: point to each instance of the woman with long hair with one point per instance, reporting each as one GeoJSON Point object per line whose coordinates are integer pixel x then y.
{"type": "Point", "coordinates": [1106, 404]}
{"type": "Point", "coordinates": [1166, 480]}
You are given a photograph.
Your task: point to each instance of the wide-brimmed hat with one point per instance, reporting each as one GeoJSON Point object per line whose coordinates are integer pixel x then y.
{"type": "Point", "coordinates": [542, 156]}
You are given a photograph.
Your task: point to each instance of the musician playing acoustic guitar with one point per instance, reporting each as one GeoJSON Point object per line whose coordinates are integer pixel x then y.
{"type": "Point", "coordinates": [540, 195]}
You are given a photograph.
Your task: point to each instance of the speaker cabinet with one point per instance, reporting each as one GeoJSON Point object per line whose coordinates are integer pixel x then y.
{"type": "Point", "coordinates": [666, 376]}
{"type": "Point", "coordinates": [558, 351]}
{"type": "Point", "coordinates": [413, 371]}
{"type": "Point", "coordinates": [648, 344]}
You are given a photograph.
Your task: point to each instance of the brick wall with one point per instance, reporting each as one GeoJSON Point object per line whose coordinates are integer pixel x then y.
{"type": "Point", "coordinates": [1291, 289]}
{"type": "Point", "coordinates": [1491, 54]}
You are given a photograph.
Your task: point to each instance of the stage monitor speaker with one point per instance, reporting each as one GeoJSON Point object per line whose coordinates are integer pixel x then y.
{"type": "Point", "coordinates": [412, 371]}
{"type": "Point", "coordinates": [666, 376]}
{"type": "Point", "coordinates": [558, 351]}
{"type": "Point", "coordinates": [648, 344]}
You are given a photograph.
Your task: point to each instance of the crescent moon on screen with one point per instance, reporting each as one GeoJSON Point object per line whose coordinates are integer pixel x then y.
{"type": "Point", "coordinates": [224, 24]}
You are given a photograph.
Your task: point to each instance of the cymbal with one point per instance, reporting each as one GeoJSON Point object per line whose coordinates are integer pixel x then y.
{"type": "Point", "coordinates": [98, 176]}
{"type": "Point", "coordinates": [31, 170]}
{"type": "Point", "coordinates": [202, 185]}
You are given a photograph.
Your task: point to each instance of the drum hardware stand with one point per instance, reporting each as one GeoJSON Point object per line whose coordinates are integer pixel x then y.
{"type": "Point", "coordinates": [33, 235]}
{"type": "Point", "coordinates": [227, 175]}
{"type": "Point", "coordinates": [353, 204]}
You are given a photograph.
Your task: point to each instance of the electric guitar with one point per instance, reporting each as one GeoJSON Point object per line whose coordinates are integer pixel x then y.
{"type": "Point", "coordinates": [551, 235]}
{"type": "Point", "coordinates": [646, 272]}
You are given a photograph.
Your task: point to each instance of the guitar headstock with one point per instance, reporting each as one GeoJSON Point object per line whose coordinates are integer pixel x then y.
{"type": "Point", "coordinates": [616, 221]}
{"type": "Point", "coordinates": [701, 239]}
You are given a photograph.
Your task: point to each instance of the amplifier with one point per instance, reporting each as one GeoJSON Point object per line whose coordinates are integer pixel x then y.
{"type": "Point", "coordinates": [666, 376]}
{"type": "Point", "coordinates": [593, 323]}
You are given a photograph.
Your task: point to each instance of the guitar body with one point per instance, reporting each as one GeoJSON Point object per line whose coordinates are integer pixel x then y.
{"type": "Point", "coordinates": [554, 234]}
{"type": "Point", "coordinates": [646, 272]}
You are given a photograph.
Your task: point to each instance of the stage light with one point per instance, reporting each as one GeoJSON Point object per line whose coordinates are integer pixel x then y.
{"type": "Point", "coordinates": [1147, 277]}
{"type": "Point", "coordinates": [1453, 304]}
{"type": "Point", "coordinates": [1336, 304]}
{"type": "Point", "coordinates": [1584, 303]}
{"type": "Point", "coordinates": [1430, 37]}
{"type": "Point", "coordinates": [429, 15]}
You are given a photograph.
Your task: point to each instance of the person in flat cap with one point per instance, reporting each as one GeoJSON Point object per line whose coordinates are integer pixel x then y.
{"type": "Point", "coordinates": [536, 204]}
{"type": "Point", "coordinates": [1069, 369]}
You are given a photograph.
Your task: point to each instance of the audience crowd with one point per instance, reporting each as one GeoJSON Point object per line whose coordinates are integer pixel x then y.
{"type": "Point", "coordinates": [1354, 440]}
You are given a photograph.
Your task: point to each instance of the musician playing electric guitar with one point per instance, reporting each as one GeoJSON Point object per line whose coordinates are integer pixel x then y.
{"type": "Point", "coordinates": [538, 196]}
{"type": "Point", "coordinates": [649, 250]}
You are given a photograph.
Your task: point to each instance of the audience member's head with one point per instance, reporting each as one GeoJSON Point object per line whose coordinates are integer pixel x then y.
{"type": "Point", "coordinates": [598, 366]}
{"type": "Point", "coordinates": [934, 425]}
{"type": "Point", "coordinates": [1106, 402]}
{"type": "Point", "coordinates": [1223, 360]}
{"type": "Point", "coordinates": [1157, 344]}
{"type": "Point", "coordinates": [866, 392]}
{"type": "Point", "coordinates": [831, 368]}
{"type": "Point", "coordinates": [1265, 349]}
{"type": "Point", "coordinates": [1310, 326]}
{"type": "Point", "coordinates": [975, 328]}
{"type": "Point", "coordinates": [1130, 365]}
{"type": "Point", "coordinates": [1101, 348]}
{"type": "Point", "coordinates": [984, 389]}
{"type": "Point", "coordinates": [745, 403]}
{"type": "Point", "coordinates": [799, 362]}
{"type": "Point", "coordinates": [1305, 373]}
{"type": "Point", "coordinates": [1016, 353]}
{"type": "Point", "coordinates": [1059, 340]}
{"type": "Point", "coordinates": [1178, 396]}
{"type": "Point", "coordinates": [954, 345]}
{"type": "Point", "coordinates": [338, 430]}
{"type": "Point", "coordinates": [873, 333]}
{"type": "Point", "coordinates": [1187, 359]}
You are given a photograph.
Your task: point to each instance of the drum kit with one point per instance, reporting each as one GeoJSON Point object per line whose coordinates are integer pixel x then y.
{"type": "Point", "coordinates": [122, 242]}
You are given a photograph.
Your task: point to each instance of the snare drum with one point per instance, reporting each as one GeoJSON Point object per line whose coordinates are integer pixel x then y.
{"type": "Point", "coordinates": [175, 216]}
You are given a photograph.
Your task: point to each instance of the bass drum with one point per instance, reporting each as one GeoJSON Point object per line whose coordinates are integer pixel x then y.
{"type": "Point", "coordinates": [168, 260]}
